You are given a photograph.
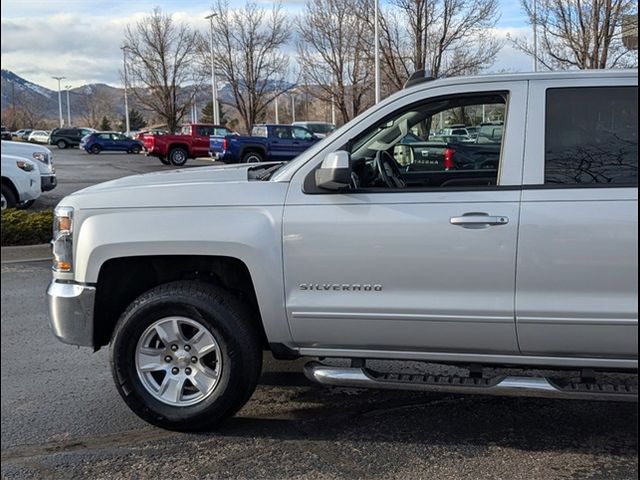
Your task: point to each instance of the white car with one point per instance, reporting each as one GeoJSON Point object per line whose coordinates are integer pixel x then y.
{"type": "Point", "coordinates": [319, 129]}
{"type": "Point", "coordinates": [39, 136]}
{"type": "Point", "coordinates": [20, 181]}
{"type": "Point", "coordinates": [43, 157]}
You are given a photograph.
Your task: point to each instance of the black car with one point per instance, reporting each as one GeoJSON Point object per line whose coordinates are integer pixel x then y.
{"type": "Point", "coordinates": [5, 134]}
{"type": "Point", "coordinates": [68, 137]}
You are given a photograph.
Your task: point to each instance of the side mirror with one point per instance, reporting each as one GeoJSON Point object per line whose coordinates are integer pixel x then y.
{"type": "Point", "coordinates": [335, 171]}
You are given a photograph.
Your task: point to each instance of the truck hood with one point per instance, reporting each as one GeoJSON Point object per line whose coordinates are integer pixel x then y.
{"type": "Point", "coordinates": [201, 186]}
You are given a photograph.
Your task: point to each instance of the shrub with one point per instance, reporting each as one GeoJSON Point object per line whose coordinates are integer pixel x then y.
{"type": "Point", "coordinates": [26, 228]}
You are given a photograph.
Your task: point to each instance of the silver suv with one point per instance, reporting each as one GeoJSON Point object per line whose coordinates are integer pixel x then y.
{"type": "Point", "coordinates": [519, 253]}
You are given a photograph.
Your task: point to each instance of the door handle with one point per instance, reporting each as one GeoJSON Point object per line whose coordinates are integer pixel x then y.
{"type": "Point", "coordinates": [479, 220]}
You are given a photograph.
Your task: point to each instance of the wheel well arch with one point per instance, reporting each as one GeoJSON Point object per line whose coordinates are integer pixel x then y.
{"type": "Point", "coordinates": [122, 280]}
{"type": "Point", "coordinates": [9, 184]}
{"type": "Point", "coordinates": [182, 146]}
{"type": "Point", "coordinates": [253, 149]}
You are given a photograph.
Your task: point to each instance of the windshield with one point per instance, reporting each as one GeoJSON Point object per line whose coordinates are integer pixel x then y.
{"type": "Point", "coordinates": [320, 127]}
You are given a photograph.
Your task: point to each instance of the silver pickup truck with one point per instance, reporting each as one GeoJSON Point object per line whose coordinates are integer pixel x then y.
{"type": "Point", "coordinates": [348, 254]}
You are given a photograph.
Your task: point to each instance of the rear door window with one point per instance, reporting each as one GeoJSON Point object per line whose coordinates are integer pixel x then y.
{"type": "Point", "coordinates": [591, 136]}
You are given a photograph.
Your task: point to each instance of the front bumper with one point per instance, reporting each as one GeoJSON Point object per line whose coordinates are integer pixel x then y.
{"type": "Point", "coordinates": [48, 182]}
{"type": "Point", "coordinates": [71, 312]}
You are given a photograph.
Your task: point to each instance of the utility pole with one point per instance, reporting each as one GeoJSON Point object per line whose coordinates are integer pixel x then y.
{"type": "Point", "coordinates": [126, 101]}
{"type": "Point", "coordinates": [59, 101]}
{"type": "Point", "coordinates": [376, 51]}
{"type": "Point", "coordinates": [535, 35]}
{"type": "Point", "coordinates": [214, 86]}
{"type": "Point", "coordinates": [67, 88]}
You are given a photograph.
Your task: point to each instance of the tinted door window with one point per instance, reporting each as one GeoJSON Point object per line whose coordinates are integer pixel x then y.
{"type": "Point", "coordinates": [591, 136]}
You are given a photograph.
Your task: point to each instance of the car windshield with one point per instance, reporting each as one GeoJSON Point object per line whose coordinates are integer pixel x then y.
{"type": "Point", "coordinates": [320, 127]}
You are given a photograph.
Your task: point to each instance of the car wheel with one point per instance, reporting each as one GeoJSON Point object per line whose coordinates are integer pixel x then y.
{"type": "Point", "coordinates": [164, 160]}
{"type": "Point", "coordinates": [26, 204]}
{"type": "Point", "coordinates": [252, 157]}
{"type": "Point", "coordinates": [8, 199]}
{"type": "Point", "coordinates": [184, 356]}
{"type": "Point", "coordinates": [135, 149]}
{"type": "Point", "coordinates": [96, 149]}
{"type": "Point", "coordinates": [178, 156]}
{"type": "Point", "coordinates": [62, 144]}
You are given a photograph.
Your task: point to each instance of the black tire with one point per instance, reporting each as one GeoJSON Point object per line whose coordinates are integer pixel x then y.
{"type": "Point", "coordinates": [252, 157]}
{"type": "Point", "coordinates": [62, 144]}
{"type": "Point", "coordinates": [164, 160]}
{"type": "Point", "coordinates": [178, 156]}
{"type": "Point", "coordinates": [95, 149]}
{"type": "Point", "coordinates": [25, 205]}
{"type": "Point", "coordinates": [8, 197]}
{"type": "Point", "coordinates": [225, 318]}
{"type": "Point", "coordinates": [135, 149]}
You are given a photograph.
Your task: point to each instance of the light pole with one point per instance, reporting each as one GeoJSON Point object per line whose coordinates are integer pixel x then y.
{"type": "Point", "coordinates": [124, 49]}
{"type": "Point", "coordinates": [376, 51]}
{"type": "Point", "coordinates": [535, 35]}
{"type": "Point", "coordinates": [67, 88]}
{"type": "Point", "coordinates": [59, 100]}
{"type": "Point", "coordinates": [214, 86]}
{"type": "Point", "coordinates": [276, 107]}
{"type": "Point", "coordinates": [293, 107]}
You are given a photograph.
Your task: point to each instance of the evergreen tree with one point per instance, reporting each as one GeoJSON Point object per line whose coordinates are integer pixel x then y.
{"type": "Point", "coordinates": [105, 124]}
{"type": "Point", "coordinates": [207, 113]}
{"type": "Point", "coordinates": [136, 121]}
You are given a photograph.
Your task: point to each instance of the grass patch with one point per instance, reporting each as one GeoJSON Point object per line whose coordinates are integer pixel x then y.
{"type": "Point", "coordinates": [26, 228]}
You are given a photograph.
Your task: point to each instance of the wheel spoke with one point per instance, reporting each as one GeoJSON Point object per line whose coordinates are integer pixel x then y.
{"type": "Point", "coordinates": [202, 342]}
{"type": "Point", "coordinates": [171, 388]}
{"type": "Point", "coordinates": [203, 379]}
{"type": "Point", "coordinates": [169, 332]}
{"type": "Point", "coordinates": [150, 359]}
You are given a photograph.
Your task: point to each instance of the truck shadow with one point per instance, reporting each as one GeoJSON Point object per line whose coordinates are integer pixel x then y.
{"type": "Point", "coordinates": [530, 424]}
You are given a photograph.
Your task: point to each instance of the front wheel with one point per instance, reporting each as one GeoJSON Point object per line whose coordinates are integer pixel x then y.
{"type": "Point", "coordinates": [178, 156]}
{"type": "Point", "coordinates": [8, 198]}
{"type": "Point", "coordinates": [62, 144]}
{"type": "Point", "coordinates": [96, 149]}
{"type": "Point", "coordinates": [185, 356]}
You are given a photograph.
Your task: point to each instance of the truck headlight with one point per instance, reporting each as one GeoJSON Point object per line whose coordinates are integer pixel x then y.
{"type": "Point", "coordinates": [63, 239]}
{"type": "Point", "coordinates": [41, 157]}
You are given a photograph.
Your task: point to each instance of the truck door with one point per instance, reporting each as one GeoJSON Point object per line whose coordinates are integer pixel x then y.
{"type": "Point", "coordinates": [577, 270]}
{"type": "Point", "coordinates": [280, 141]}
{"type": "Point", "coordinates": [302, 139]}
{"type": "Point", "coordinates": [200, 140]}
{"type": "Point", "coordinates": [421, 269]}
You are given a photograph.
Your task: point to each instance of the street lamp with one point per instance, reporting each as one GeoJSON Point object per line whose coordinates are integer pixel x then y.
{"type": "Point", "coordinates": [276, 108]}
{"type": "Point", "coordinates": [214, 86]}
{"type": "Point", "coordinates": [124, 49]}
{"type": "Point", "coordinates": [535, 35]}
{"type": "Point", "coordinates": [67, 88]}
{"type": "Point", "coordinates": [376, 51]}
{"type": "Point", "coordinates": [59, 100]}
{"type": "Point", "coordinates": [293, 107]}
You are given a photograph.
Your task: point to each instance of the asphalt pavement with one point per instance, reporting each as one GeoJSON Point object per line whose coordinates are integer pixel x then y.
{"type": "Point", "coordinates": [62, 418]}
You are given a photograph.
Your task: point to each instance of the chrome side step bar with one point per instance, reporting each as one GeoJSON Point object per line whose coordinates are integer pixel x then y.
{"type": "Point", "coordinates": [505, 385]}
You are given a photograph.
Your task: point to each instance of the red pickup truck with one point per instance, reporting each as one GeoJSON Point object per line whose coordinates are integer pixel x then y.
{"type": "Point", "coordinates": [192, 142]}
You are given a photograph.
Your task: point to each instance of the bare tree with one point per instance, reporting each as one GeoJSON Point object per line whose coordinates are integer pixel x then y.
{"type": "Point", "coordinates": [334, 53]}
{"type": "Point", "coordinates": [162, 58]}
{"type": "Point", "coordinates": [579, 33]}
{"type": "Point", "coordinates": [93, 104]}
{"type": "Point", "coordinates": [446, 37]}
{"type": "Point", "coordinates": [248, 56]}
{"type": "Point", "coordinates": [26, 112]}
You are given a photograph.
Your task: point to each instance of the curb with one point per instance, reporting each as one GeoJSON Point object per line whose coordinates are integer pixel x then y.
{"type": "Point", "coordinates": [26, 253]}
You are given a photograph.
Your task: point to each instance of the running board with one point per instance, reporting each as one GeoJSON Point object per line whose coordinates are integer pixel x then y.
{"type": "Point", "coordinates": [505, 385]}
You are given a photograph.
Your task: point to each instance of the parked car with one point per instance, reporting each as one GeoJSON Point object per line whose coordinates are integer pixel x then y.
{"type": "Point", "coordinates": [192, 142]}
{"type": "Point", "coordinates": [5, 134]}
{"type": "Point", "coordinates": [39, 136]}
{"type": "Point", "coordinates": [270, 142]}
{"type": "Point", "coordinates": [190, 274]}
{"type": "Point", "coordinates": [319, 129]}
{"type": "Point", "coordinates": [43, 160]}
{"type": "Point", "coordinates": [20, 181]}
{"type": "Point", "coordinates": [21, 134]}
{"type": "Point", "coordinates": [109, 141]}
{"type": "Point", "coordinates": [68, 137]}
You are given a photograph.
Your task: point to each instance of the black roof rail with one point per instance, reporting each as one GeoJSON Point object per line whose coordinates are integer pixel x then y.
{"type": "Point", "coordinates": [419, 76]}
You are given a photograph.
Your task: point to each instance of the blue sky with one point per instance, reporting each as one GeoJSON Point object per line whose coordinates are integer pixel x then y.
{"type": "Point", "coordinates": [80, 38]}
